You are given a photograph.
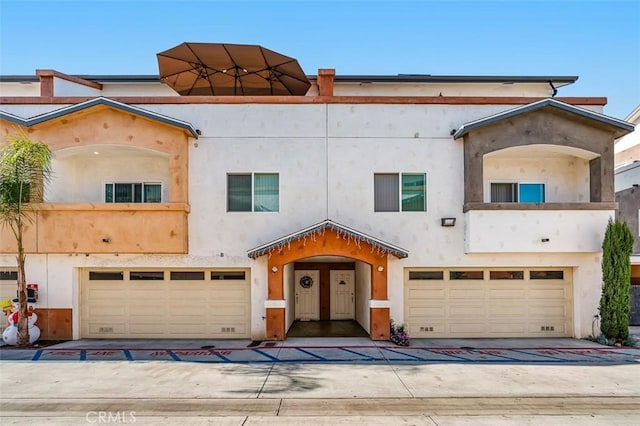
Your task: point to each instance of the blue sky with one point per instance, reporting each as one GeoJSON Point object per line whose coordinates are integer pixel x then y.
{"type": "Point", "coordinates": [597, 41]}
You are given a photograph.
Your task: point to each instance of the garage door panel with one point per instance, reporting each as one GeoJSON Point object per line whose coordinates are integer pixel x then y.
{"type": "Point", "coordinates": [466, 293]}
{"type": "Point", "coordinates": [499, 307]}
{"type": "Point", "coordinates": [108, 328]}
{"type": "Point", "coordinates": [427, 294]}
{"type": "Point", "coordinates": [507, 293]}
{"type": "Point", "coordinates": [514, 309]}
{"type": "Point", "coordinates": [466, 328]}
{"type": "Point", "coordinates": [548, 311]}
{"type": "Point", "coordinates": [549, 293]}
{"type": "Point", "coordinates": [471, 310]}
{"type": "Point", "coordinates": [507, 328]}
{"type": "Point", "coordinates": [165, 308]}
{"type": "Point", "coordinates": [107, 311]}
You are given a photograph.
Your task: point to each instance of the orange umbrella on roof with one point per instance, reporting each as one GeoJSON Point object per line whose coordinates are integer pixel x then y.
{"type": "Point", "coordinates": [230, 69]}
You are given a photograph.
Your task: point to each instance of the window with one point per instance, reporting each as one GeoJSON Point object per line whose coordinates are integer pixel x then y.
{"type": "Point", "coordinates": [466, 275]}
{"type": "Point", "coordinates": [146, 275]}
{"type": "Point", "coordinates": [133, 192]}
{"type": "Point", "coordinates": [106, 275]}
{"type": "Point", "coordinates": [546, 275]}
{"type": "Point", "coordinates": [426, 275]}
{"type": "Point", "coordinates": [399, 192]}
{"type": "Point", "coordinates": [8, 275]}
{"type": "Point", "coordinates": [227, 275]}
{"type": "Point", "coordinates": [506, 275]}
{"type": "Point", "coordinates": [257, 192]}
{"type": "Point", "coordinates": [187, 275]}
{"type": "Point", "coordinates": [513, 192]}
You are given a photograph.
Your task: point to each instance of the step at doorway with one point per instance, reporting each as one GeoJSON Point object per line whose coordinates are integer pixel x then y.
{"type": "Point", "coordinates": [335, 328]}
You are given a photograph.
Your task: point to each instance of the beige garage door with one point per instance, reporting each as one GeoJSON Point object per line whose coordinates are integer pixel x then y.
{"type": "Point", "coordinates": [165, 304]}
{"type": "Point", "coordinates": [8, 289]}
{"type": "Point", "coordinates": [517, 302]}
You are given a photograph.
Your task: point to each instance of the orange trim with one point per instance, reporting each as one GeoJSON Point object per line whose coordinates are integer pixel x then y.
{"type": "Point", "coordinates": [325, 81]}
{"type": "Point", "coordinates": [55, 323]}
{"type": "Point", "coordinates": [420, 100]}
{"type": "Point", "coordinates": [380, 324]}
{"type": "Point", "coordinates": [328, 243]}
{"type": "Point", "coordinates": [52, 73]}
{"type": "Point", "coordinates": [275, 324]}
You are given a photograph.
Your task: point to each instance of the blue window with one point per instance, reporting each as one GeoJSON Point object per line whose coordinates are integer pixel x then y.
{"type": "Point", "coordinates": [513, 192]}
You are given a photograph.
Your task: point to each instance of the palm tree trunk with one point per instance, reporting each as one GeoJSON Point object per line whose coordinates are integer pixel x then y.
{"type": "Point", "coordinates": [23, 320]}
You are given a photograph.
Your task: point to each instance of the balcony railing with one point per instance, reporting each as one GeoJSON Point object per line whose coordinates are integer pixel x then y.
{"type": "Point", "coordinates": [103, 228]}
{"type": "Point", "coordinates": [536, 228]}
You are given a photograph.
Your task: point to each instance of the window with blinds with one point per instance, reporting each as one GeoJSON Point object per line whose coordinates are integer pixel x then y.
{"type": "Point", "coordinates": [514, 192]}
{"type": "Point", "coordinates": [399, 192]}
{"type": "Point", "coordinates": [136, 192]}
{"type": "Point", "coordinates": [258, 192]}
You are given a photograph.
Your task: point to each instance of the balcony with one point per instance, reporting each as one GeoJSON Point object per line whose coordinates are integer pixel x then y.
{"type": "Point", "coordinates": [157, 228]}
{"type": "Point", "coordinates": [536, 227]}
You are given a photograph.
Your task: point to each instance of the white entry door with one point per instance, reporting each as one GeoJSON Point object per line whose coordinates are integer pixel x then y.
{"type": "Point", "coordinates": [342, 294]}
{"type": "Point", "coordinates": [307, 285]}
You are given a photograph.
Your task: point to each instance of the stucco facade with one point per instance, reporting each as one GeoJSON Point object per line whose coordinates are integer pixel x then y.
{"type": "Point", "coordinates": [325, 148]}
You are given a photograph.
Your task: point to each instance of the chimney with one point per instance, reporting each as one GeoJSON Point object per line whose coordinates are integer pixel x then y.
{"type": "Point", "coordinates": [325, 81]}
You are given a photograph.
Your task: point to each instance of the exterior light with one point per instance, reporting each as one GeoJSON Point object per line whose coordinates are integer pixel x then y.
{"type": "Point", "coordinates": [448, 221]}
{"type": "Point", "coordinates": [274, 269]}
{"type": "Point", "coordinates": [380, 268]}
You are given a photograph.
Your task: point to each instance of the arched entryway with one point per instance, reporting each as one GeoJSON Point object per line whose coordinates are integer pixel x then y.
{"type": "Point", "coordinates": [327, 239]}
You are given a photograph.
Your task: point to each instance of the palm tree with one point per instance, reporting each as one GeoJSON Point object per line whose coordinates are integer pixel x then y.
{"type": "Point", "coordinates": [25, 167]}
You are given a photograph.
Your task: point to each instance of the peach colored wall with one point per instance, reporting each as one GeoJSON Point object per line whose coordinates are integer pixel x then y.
{"type": "Point", "coordinates": [132, 228]}
{"type": "Point", "coordinates": [628, 155]}
{"type": "Point", "coordinates": [80, 228]}
{"type": "Point", "coordinates": [103, 125]}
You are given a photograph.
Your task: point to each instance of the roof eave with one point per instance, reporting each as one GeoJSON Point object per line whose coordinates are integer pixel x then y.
{"type": "Point", "coordinates": [622, 125]}
{"type": "Point", "coordinates": [327, 224]}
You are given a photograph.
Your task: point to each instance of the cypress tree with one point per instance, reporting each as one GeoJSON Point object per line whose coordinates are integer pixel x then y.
{"type": "Point", "coordinates": [616, 275]}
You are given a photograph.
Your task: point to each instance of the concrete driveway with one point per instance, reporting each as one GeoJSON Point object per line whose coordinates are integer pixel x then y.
{"type": "Point", "coordinates": [322, 381]}
{"type": "Point", "coordinates": [333, 350]}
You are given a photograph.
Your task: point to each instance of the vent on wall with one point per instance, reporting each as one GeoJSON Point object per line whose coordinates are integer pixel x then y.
{"type": "Point", "coordinates": [228, 329]}
{"type": "Point", "coordinates": [426, 328]}
{"type": "Point", "coordinates": [105, 330]}
{"type": "Point", "coordinates": [547, 328]}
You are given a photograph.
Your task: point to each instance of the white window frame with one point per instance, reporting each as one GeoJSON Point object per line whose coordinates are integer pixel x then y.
{"type": "Point", "coordinates": [518, 183]}
{"type": "Point", "coordinates": [400, 175]}
{"type": "Point", "coordinates": [143, 183]}
{"type": "Point", "coordinates": [253, 191]}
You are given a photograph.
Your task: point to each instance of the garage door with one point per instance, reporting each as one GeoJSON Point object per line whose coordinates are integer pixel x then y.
{"type": "Point", "coordinates": [8, 288]}
{"type": "Point", "coordinates": [165, 304]}
{"type": "Point", "coordinates": [517, 302]}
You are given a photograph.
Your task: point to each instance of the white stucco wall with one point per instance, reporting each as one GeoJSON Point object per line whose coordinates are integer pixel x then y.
{"type": "Point", "coordinates": [62, 87]}
{"type": "Point", "coordinates": [326, 156]}
{"type": "Point", "coordinates": [289, 295]}
{"type": "Point", "coordinates": [566, 179]}
{"type": "Point", "coordinates": [27, 88]}
{"type": "Point", "coordinates": [443, 89]}
{"type": "Point", "coordinates": [627, 176]}
{"type": "Point", "coordinates": [363, 295]}
{"type": "Point", "coordinates": [499, 231]}
{"type": "Point", "coordinates": [81, 178]}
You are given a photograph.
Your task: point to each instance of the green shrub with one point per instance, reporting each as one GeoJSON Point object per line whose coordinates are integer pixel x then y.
{"type": "Point", "coordinates": [616, 276]}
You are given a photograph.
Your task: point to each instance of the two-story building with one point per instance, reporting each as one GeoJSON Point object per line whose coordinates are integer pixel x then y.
{"type": "Point", "coordinates": [627, 185]}
{"type": "Point", "coordinates": [461, 206]}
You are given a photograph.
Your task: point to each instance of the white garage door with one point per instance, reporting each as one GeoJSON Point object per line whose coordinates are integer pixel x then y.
{"type": "Point", "coordinates": [8, 289]}
{"type": "Point", "coordinates": [517, 302]}
{"type": "Point", "coordinates": [165, 304]}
